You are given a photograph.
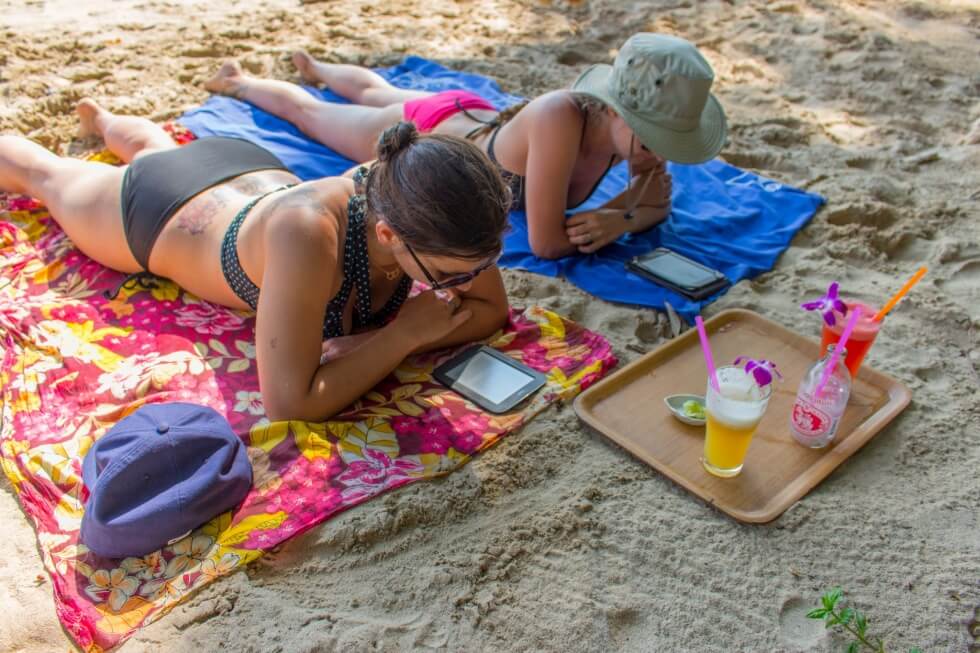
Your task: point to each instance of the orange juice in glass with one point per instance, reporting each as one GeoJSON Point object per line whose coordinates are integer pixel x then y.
{"type": "Point", "coordinates": [733, 412]}
{"type": "Point", "coordinates": [862, 337]}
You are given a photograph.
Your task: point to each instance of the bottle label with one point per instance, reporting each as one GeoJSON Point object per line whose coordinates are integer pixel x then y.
{"type": "Point", "coordinates": [810, 420]}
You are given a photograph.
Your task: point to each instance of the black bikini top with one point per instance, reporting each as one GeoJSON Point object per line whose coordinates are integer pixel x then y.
{"type": "Point", "coordinates": [356, 270]}
{"type": "Point", "coordinates": [357, 273]}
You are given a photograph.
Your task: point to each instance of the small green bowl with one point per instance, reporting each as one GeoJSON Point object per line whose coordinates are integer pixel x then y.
{"type": "Point", "coordinates": [675, 403]}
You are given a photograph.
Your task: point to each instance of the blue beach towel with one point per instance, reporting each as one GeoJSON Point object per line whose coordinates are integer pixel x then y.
{"type": "Point", "coordinates": [734, 221]}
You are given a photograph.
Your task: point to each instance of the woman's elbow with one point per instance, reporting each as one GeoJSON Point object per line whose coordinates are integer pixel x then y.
{"type": "Point", "coordinates": [548, 250]}
{"type": "Point", "coordinates": [279, 408]}
{"type": "Point", "coordinates": [278, 412]}
{"type": "Point", "coordinates": [500, 315]}
{"type": "Point", "coordinates": [491, 318]}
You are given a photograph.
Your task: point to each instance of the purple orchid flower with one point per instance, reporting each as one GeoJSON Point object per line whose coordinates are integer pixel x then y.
{"type": "Point", "coordinates": [762, 370]}
{"type": "Point", "coordinates": [827, 305]}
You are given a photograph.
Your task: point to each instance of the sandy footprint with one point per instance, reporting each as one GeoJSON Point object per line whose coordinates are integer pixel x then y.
{"type": "Point", "coordinates": [963, 287]}
{"type": "Point", "coordinates": [758, 160]}
{"type": "Point", "coordinates": [870, 214]}
{"type": "Point", "coordinates": [797, 630]}
{"type": "Point", "coordinates": [625, 624]}
{"type": "Point", "coordinates": [902, 245]}
{"type": "Point", "coordinates": [964, 281]}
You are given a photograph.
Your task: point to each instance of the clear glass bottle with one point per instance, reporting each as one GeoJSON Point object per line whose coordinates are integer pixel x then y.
{"type": "Point", "coordinates": [814, 420]}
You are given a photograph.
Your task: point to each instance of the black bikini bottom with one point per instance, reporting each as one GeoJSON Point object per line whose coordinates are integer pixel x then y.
{"type": "Point", "coordinates": [155, 186]}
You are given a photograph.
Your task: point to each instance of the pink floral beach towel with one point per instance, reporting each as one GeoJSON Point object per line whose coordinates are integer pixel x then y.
{"type": "Point", "coordinates": [74, 363]}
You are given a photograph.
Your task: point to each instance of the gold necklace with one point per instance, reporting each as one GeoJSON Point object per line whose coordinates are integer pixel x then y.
{"type": "Point", "coordinates": [393, 274]}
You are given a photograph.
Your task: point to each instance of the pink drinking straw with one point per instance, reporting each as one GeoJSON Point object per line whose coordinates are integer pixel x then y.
{"type": "Point", "coordinates": [835, 357]}
{"type": "Point", "coordinates": [709, 361]}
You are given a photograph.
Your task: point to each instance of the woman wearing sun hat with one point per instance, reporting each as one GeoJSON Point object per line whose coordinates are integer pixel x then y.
{"type": "Point", "coordinates": [652, 104]}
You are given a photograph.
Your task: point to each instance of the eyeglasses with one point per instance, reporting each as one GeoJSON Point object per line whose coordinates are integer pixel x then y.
{"type": "Point", "coordinates": [454, 280]}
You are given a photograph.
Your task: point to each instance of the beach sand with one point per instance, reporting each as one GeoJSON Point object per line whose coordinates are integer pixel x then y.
{"type": "Point", "coordinates": [556, 540]}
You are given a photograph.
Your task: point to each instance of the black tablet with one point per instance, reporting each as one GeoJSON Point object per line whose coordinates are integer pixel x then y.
{"type": "Point", "coordinates": [678, 273]}
{"type": "Point", "coordinates": [491, 379]}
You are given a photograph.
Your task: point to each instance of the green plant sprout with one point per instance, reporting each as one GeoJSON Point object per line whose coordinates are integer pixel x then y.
{"type": "Point", "coordinates": [850, 619]}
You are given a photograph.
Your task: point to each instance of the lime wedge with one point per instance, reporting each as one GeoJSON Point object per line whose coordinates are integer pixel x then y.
{"type": "Point", "coordinates": [693, 409]}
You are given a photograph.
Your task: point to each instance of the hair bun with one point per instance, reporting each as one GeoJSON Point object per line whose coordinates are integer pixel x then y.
{"type": "Point", "coordinates": [395, 139]}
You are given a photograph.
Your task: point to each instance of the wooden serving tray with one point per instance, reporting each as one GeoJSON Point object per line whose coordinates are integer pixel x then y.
{"type": "Point", "coordinates": [628, 408]}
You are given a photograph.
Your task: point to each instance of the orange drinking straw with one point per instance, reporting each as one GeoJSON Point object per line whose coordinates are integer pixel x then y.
{"type": "Point", "coordinates": [898, 296]}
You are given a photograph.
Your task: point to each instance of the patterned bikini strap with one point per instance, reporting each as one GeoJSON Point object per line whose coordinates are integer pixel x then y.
{"type": "Point", "coordinates": [131, 281]}
{"type": "Point", "coordinates": [357, 268]}
{"type": "Point", "coordinates": [360, 180]}
{"type": "Point", "coordinates": [357, 265]}
{"type": "Point", "coordinates": [493, 122]}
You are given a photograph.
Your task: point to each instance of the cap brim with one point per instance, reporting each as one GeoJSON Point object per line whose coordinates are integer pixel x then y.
{"type": "Point", "coordinates": [695, 146]}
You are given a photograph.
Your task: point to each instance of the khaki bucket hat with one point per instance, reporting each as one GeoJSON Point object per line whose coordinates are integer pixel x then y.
{"type": "Point", "coordinates": [660, 85]}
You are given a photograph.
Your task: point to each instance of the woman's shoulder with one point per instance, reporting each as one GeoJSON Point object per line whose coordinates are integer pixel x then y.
{"type": "Point", "coordinates": [309, 213]}
{"type": "Point", "coordinates": [323, 198]}
{"type": "Point", "coordinates": [303, 234]}
{"type": "Point", "coordinates": [555, 106]}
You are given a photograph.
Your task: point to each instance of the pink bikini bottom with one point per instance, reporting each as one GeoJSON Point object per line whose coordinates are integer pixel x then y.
{"type": "Point", "coordinates": [429, 111]}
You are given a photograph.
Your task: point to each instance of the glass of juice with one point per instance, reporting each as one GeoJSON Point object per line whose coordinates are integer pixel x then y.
{"type": "Point", "coordinates": [863, 336]}
{"type": "Point", "coordinates": [733, 413]}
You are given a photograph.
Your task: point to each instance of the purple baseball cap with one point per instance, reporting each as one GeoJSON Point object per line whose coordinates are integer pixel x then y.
{"type": "Point", "coordinates": [158, 474]}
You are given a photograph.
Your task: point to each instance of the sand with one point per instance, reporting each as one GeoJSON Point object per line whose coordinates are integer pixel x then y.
{"type": "Point", "coordinates": [556, 540]}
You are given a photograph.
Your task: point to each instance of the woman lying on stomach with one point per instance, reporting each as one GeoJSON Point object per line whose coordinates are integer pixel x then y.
{"type": "Point", "coordinates": [652, 104]}
{"type": "Point", "coordinates": [224, 219]}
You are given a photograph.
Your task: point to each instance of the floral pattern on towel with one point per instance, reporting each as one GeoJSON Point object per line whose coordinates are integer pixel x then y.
{"type": "Point", "coordinates": [74, 363]}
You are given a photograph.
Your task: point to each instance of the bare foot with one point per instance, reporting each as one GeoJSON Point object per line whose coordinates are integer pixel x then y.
{"type": "Point", "coordinates": [88, 113]}
{"type": "Point", "coordinates": [229, 80]}
{"type": "Point", "coordinates": [308, 67]}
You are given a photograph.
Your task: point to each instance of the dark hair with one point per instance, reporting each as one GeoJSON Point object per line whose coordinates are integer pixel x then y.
{"type": "Point", "coordinates": [440, 194]}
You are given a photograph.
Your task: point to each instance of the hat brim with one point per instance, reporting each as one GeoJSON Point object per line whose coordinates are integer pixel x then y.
{"type": "Point", "coordinates": [695, 146]}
